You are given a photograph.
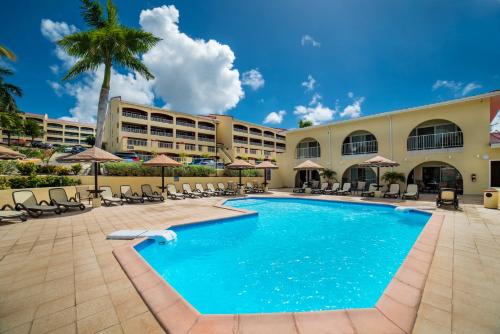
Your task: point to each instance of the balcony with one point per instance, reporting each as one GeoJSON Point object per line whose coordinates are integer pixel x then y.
{"type": "Point", "coordinates": [131, 114]}
{"type": "Point", "coordinates": [206, 126]}
{"type": "Point", "coordinates": [360, 147]}
{"type": "Point", "coordinates": [435, 141]}
{"type": "Point", "coordinates": [185, 122]}
{"type": "Point", "coordinates": [134, 130]}
{"type": "Point", "coordinates": [255, 133]}
{"type": "Point", "coordinates": [206, 139]}
{"type": "Point", "coordinates": [155, 118]}
{"type": "Point", "coordinates": [279, 137]}
{"type": "Point", "coordinates": [268, 145]}
{"type": "Point", "coordinates": [161, 133]}
{"type": "Point", "coordinates": [240, 129]}
{"type": "Point", "coordinates": [137, 142]}
{"type": "Point", "coordinates": [71, 127]}
{"type": "Point", "coordinates": [269, 134]}
{"type": "Point", "coordinates": [239, 141]}
{"type": "Point", "coordinates": [86, 130]}
{"type": "Point", "coordinates": [164, 144]}
{"type": "Point", "coordinates": [71, 134]}
{"type": "Point", "coordinates": [54, 125]}
{"type": "Point", "coordinates": [308, 152]}
{"type": "Point", "coordinates": [184, 136]}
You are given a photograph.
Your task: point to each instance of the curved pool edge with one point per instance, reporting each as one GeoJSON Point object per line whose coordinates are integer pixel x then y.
{"type": "Point", "coordinates": [394, 312]}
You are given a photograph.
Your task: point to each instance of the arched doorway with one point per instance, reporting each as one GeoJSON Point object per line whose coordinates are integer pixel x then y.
{"type": "Point", "coordinates": [433, 175]}
{"type": "Point", "coordinates": [357, 173]}
{"type": "Point", "coordinates": [301, 177]}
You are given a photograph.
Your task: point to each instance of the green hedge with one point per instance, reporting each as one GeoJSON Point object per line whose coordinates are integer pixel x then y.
{"type": "Point", "coordinates": [8, 167]}
{"type": "Point", "coordinates": [138, 169]}
{"type": "Point", "coordinates": [35, 181]}
{"type": "Point", "coordinates": [245, 172]}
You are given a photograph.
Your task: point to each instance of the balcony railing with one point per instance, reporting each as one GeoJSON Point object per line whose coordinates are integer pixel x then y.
{"type": "Point", "coordinates": [134, 130]}
{"type": "Point", "coordinates": [162, 119]}
{"type": "Point", "coordinates": [185, 137]}
{"type": "Point", "coordinates": [255, 143]}
{"type": "Point", "coordinates": [206, 127]}
{"type": "Point", "coordinates": [207, 139]}
{"type": "Point", "coordinates": [182, 123]}
{"type": "Point", "coordinates": [137, 142]}
{"type": "Point", "coordinates": [269, 145]}
{"type": "Point", "coordinates": [134, 115]}
{"type": "Point", "coordinates": [240, 130]}
{"type": "Point", "coordinates": [268, 135]}
{"type": "Point", "coordinates": [165, 145]}
{"type": "Point", "coordinates": [308, 152]}
{"type": "Point", "coordinates": [211, 149]}
{"type": "Point", "coordinates": [239, 141]}
{"type": "Point", "coordinates": [435, 141]}
{"type": "Point", "coordinates": [280, 137]}
{"type": "Point", "coordinates": [360, 147]}
{"type": "Point", "coordinates": [161, 133]}
{"type": "Point", "coordinates": [255, 133]}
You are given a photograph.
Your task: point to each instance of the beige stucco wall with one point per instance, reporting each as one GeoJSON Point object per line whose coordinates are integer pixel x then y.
{"type": "Point", "coordinates": [392, 131]}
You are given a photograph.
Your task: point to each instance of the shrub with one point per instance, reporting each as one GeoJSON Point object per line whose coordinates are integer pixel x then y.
{"type": "Point", "coordinates": [393, 177]}
{"type": "Point", "coordinates": [8, 167]}
{"type": "Point", "coordinates": [4, 183]}
{"type": "Point", "coordinates": [245, 172]}
{"type": "Point", "coordinates": [30, 152]}
{"type": "Point", "coordinates": [138, 169]}
{"type": "Point", "coordinates": [61, 170]}
{"type": "Point", "coordinates": [46, 169]}
{"type": "Point", "coordinates": [26, 168]}
{"type": "Point", "coordinates": [76, 168]}
{"type": "Point", "coordinates": [35, 181]}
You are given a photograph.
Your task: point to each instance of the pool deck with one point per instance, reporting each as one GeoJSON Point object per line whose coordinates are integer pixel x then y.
{"type": "Point", "coordinates": [58, 274]}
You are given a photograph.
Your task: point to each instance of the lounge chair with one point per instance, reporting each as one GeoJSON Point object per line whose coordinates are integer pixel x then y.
{"type": "Point", "coordinates": [411, 192]}
{"type": "Point", "coordinates": [129, 196]}
{"type": "Point", "coordinates": [217, 192]}
{"type": "Point", "coordinates": [301, 189]}
{"type": "Point", "coordinates": [333, 190]}
{"type": "Point", "coordinates": [393, 191]}
{"type": "Point", "coordinates": [372, 188]}
{"type": "Point", "coordinates": [252, 188]}
{"type": "Point", "coordinates": [26, 200]}
{"type": "Point", "coordinates": [173, 193]}
{"type": "Point", "coordinates": [360, 186]}
{"type": "Point", "coordinates": [321, 190]}
{"type": "Point", "coordinates": [346, 189]}
{"type": "Point", "coordinates": [147, 192]}
{"type": "Point", "coordinates": [59, 198]}
{"type": "Point", "coordinates": [198, 187]}
{"type": "Point", "coordinates": [108, 197]}
{"type": "Point", "coordinates": [226, 191]}
{"type": "Point", "coordinates": [186, 190]}
{"type": "Point", "coordinates": [12, 214]}
{"type": "Point", "coordinates": [82, 193]}
{"type": "Point", "coordinates": [259, 187]}
{"type": "Point", "coordinates": [447, 196]}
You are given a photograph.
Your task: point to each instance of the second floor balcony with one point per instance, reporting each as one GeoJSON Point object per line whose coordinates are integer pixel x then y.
{"type": "Point", "coordinates": [362, 147]}
{"type": "Point", "coordinates": [435, 141]}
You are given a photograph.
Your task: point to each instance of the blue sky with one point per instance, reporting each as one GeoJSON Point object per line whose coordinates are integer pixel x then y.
{"type": "Point", "coordinates": [318, 60]}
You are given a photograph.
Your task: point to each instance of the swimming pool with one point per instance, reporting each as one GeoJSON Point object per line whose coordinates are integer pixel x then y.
{"type": "Point", "coordinates": [294, 255]}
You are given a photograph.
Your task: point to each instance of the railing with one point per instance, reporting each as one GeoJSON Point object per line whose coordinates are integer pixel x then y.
{"type": "Point", "coordinates": [182, 123]}
{"type": "Point", "coordinates": [54, 133]}
{"type": "Point", "coordinates": [206, 127]}
{"type": "Point", "coordinates": [71, 128]}
{"type": "Point", "coordinates": [211, 149]}
{"type": "Point", "coordinates": [255, 143]}
{"type": "Point", "coordinates": [134, 130]}
{"type": "Point", "coordinates": [308, 153]}
{"type": "Point", "coordinates": [360, 147]}
{"type": "Point", "coordinates": [280, 137]}
{"type": "Point", "coordinates": [280, 147]}
{"type": "Point", "coordinates": [255, 133]}
{"type": "Point", "coordinates": [210, 140]}
{"type": "Point", "coordinates": [435, 141]}
{"type": "Point", "coordinates": [239, 141]}
{"type": "Point", "coordinates": [161, 119]}
{"type": "Point", "coordinates": [71, 134]}
{"type": "Point", "coordinates": [137, 142]}
{"type": "Point", "coordinates": [161, 133]}
{"type": "Point", "coordinates": [86, 130]}
{"type": "Point", "coordinates": [134, 115]}
{"type": "Point", "coordinates": [268, 135]}
{"type": "Point", "coordinates": [185, 137]}
{"type": "Point", "coordinates": [189, 147]}
{"type": "Point", "coordinates": [55, 126]}
{"type": "Point", "coordinates": [165, 145]}
{"type": "Point", "coordinates": [240, 130]}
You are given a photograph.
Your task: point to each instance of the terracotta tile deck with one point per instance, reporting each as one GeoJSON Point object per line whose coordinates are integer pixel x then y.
{"type": "Point", "coordinates": [58, 274]}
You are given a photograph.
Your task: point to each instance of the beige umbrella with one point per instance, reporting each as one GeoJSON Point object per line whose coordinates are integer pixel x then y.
{"type": "Point", "coordinates": [8, 154]}
{"type": "Point", "coordinates": [240, 165]}
{"type": "Point", "coordinates": [162, 161]}
{"type": "Point", "coordinates": [265, 165]}
{"type": "Point", "coordinates": [378, 162]}
{"type": "Point", "coordinates": [95, 155]}
{"type": "Point", "coordinates": [308, 165]}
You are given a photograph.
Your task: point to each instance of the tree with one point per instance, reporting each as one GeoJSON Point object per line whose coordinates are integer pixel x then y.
{"type": "Point", "coordinates": [5, 52]}
{"type": "Point", "coordinates": [90, 140]}
{"type": "Point", "coordinates": [107, 43]}
{"type": "Point", "coordinates": [329, 174]}
{"type": "Point", "coordinates": [305, 123]}
{"type": "Point", "coordinates": [11, 124]}
{"type": "Point", "coordinates": [8, 91]}
{"type": "Point", "coordinates": [32, 129]}
{"type": "Point", "coordinates": [393, 177]}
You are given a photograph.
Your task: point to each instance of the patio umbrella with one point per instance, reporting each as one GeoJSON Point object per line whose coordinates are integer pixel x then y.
{"type": "Point", "coordinates": [95, 155]}
{"type": "Point", "coordinates": [308, 165]}
{"type": "Point", "coordinates": [8, 154]}
{"type": "Point", "coordinates": [240, 165]}
{"type": "Point", "coordinates": [162, 161]}
{"type": "Point", "coordinates": [265, 165]}
{"type": "Point", "coordinates": [378, 162]}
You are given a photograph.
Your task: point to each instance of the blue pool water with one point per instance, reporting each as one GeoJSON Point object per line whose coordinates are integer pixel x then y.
{"type": "Point", "coordinates": [294, 255]}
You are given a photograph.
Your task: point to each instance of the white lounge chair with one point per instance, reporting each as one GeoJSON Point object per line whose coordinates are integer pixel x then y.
{"type": "Point", "coordinates": [186, 190]}
{"type": "Point", "coordinates": [12, 214]}
{"type": "Point", "coordinates": [411, 192]}
{"type": "Point", "coordinates": [108, 197]}
{"type": "Point", "coordinates": [173, 193]}
{"type": "Point", "coordinates": [393, 191]}
{"type": "Point", "coordinates": [333, 190]}
{"type": "Point", "coordinates": [217, 192]}
{"type": "Point", "coordinates": [346, 189]}
{"type": "Point", "coordinates": [371, 190]}
{"type": "Point", "coordinates": [320, 190]}
{"type": "Point", "coordinates": [127, 194]}
{"type": "Point", "coordinates": [198, 187]}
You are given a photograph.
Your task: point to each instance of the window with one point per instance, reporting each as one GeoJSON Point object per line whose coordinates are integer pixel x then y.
{"type": "Point", "coordinates": [190, 147]}
{"type": "Point", "coordinates": [307, 149]}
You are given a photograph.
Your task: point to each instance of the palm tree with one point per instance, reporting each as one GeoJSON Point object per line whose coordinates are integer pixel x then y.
{"type": "Point", "coordinates": [8, 91]}
{"type": "Point", "coordinates": [5, 52]}
{"type": "Point", "coordinates": [305, 123]}
{"type": "Point", "coordinates": [393, 177]}
{"type": "Point", "coordinates": [11, 123]}
{"type": "Point", "coordinates": [32, 128]}
{"type": "Point", "coordinates": [329, 174]}
{"type": "Point", "coordinates": [107, 43]}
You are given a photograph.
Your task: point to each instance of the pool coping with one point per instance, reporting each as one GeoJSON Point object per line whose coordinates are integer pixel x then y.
{"type": "Point", "coordinates": [394, 312]}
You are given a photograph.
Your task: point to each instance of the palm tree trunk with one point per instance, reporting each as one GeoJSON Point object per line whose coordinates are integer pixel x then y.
{"type": "Point", "coordinates": [8, 138]}
{"type": "Point", "coordinates": [102, 107]}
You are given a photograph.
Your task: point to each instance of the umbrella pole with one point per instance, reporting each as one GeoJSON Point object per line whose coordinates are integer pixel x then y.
{"type": "Point", "coordinates": [378, 178]}
{"type": "Point", "coordinates": [96, 171]}
{"type": "Point", "coordinates": [163, 178]}
{"type": "Point", "coordinates": [239, 185]}
{"type": "Point", "coordinates": [265, 177]}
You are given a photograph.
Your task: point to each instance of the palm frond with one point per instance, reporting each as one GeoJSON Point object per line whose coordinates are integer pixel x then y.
{"type": "Point", "coordinates": [112, 14]}
{"type": "Point", "coordinates": [81, 66]}
{"type": "Point", "coordinates": [128, 60]}
{"type": "Point", "coordinates": [78, 44]}
{"type": "Point", "coordinates": [92, 13]}
{"type": "Point", "coordinates": [12, 89]}
{"type": "Point", "coordinates": [5, 71]}
{"type": "Point", "coordinates": [139, 41]}
{"type": "Point", "coordinates": [5, 52]}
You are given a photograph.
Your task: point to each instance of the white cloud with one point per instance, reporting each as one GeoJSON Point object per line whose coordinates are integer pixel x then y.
{"type": "Point", "coordinates": [310, 83]}
{"type": "Point", "coordinates": [252, 78]}
{"type": "Point", "coordinates": [353, 110]}
{"type": "Point", "coordinates": [457, 88]}
{"type": "Point", "coordinates": [275, 117]}
{"type": "Point", "coordinates": [192, 75]}
{"type": "Point", "coordinates": [317, 114]}
{"type": "Point", "coordinates": [309, 40]}
{"type": "Point", "coordinates": [315, 99]}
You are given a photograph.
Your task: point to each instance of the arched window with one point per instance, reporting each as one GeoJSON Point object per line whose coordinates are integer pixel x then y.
{"type": "Point", "coordinates": [360, 142]}
{"type": "Point", "coordinates": [308, 148]}
{"type": "Point", "coordinates": [435, 134]}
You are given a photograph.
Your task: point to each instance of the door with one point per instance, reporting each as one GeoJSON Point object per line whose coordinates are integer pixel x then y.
{"type": "Point", "coordinates": [495, 173]}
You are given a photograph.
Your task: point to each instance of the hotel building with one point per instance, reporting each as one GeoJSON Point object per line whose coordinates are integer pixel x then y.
{"type": "Point", "coordinates": [446, 144]}
{"type": "Point", "coordinates": [148, 130]}
{"type": "Point", "coordinates": [55, 131]}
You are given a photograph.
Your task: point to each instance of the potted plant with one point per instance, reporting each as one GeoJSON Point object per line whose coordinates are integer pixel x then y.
{"type": "Point", "coordinates": [393, 177]}
{"type": "Point", "coordinates": [329, 175]}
